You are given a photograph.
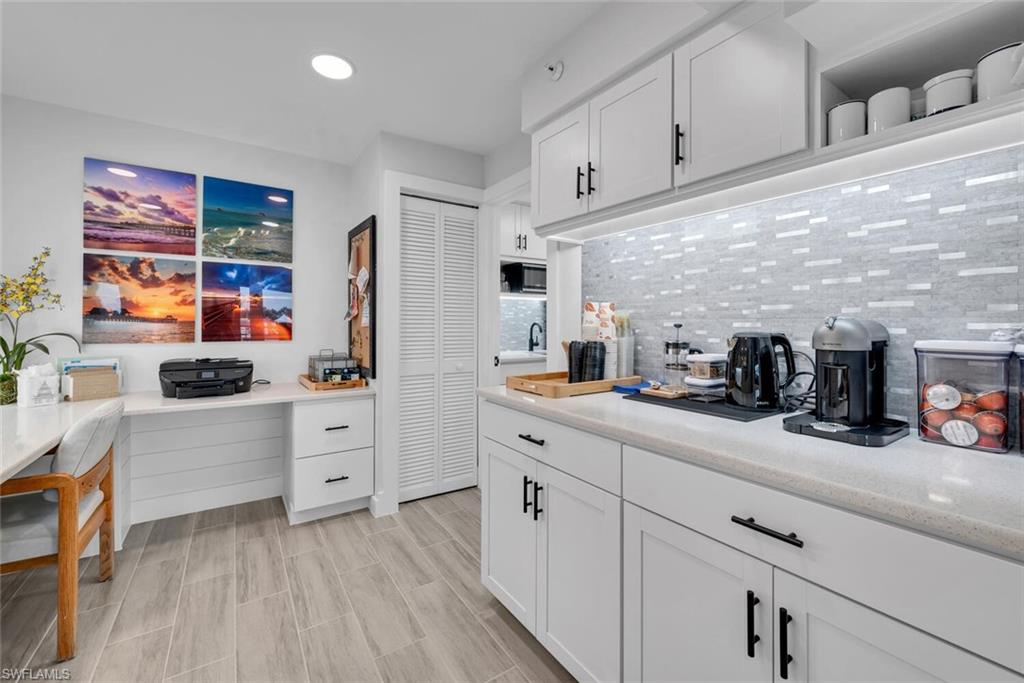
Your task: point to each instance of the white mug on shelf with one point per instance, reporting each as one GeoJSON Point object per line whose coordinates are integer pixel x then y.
{"type": "Point", "coordinates": [847, 120]}
{"type": "Point", "coordinates": [888, 108]}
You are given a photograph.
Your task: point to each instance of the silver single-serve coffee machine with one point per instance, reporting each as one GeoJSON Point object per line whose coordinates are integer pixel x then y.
{"type": "Point", "coordinates": [849, 359]}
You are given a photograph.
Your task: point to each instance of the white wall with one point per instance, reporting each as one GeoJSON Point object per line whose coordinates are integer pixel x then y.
{"type": "Point", "coordinates": [42, 151]}
{"type": "Point", "coordinates": [617, 38]}
{"type": "Point", "coordinates": [507, 159]}
{"type": "Point", "coordinates": [408, 155]}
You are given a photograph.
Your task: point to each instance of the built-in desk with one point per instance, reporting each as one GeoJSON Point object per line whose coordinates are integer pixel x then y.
{"type": "Point", "coordinates": [176, 456]}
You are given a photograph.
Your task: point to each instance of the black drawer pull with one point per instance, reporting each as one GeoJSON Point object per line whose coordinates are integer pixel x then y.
{"type": "Point", "coordinates": [526, 502]}
{"type": "Point", "coordinates": [334, 429]}
{"type": "Point", "coordinates": [784, 657]}
{"type": "Point", "coordinates": [579, 177]}
{"type": "Point", "coordinates": [752, 638]}
{"type": "Point", "coordinates": [528, 437]}
{"type": "Point", "coordinates": [789, 538]}
{"type": "Point", "coordinates": [590, 178]}
{"type": "Point", "coordinates": [680, 136]}
{"type": "Point", "coordinates": [333, 479]}
{"type": "Point", "coordinates": [537, 488]}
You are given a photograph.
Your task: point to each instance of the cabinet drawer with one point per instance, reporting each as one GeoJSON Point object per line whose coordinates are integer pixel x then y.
{"type": "Point", "coordinates": [969, 598]}
{"type": "Point", "coordinates": [593, 459]}
{"type": "Point", "coordinates": [332, 478]}
{"type": "Point", "coordinates": [331, 426]}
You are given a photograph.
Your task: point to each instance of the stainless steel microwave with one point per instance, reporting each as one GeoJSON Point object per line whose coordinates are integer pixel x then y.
{"type": "Point", "coordinates": [526, 278]}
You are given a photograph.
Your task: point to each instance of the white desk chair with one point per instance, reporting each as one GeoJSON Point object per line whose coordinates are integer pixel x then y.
{"type": "Point", "coordinates": [58, 513]}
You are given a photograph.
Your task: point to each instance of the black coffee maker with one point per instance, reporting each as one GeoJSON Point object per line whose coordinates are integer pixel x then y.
{"type": "Point", "coordinates": [752, 375]}
{"type": "Point", "coordinates": [849, 357]}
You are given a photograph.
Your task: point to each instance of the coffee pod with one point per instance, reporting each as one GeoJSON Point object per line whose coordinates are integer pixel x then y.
{"type": "Point", "coordinates": [930, 432]}
{"type": "Point", "coordinates": [943, 396]}
{"type": "Point", "coordinates": [992, 400]}
{"type": "Point", "coordinates": [966, 411]}
{"type": "Point", "coordinates": [994, 443]}
{"type": "Point", "coordinates": [960, 433]}
{"type": "Point", "coordinates": [990, 423]}
{"type": "Point", "coordinates": [935, 418]}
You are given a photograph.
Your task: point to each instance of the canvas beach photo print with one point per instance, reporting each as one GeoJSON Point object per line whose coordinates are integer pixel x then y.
{"type": "Point", "coordinates": [246, 221]}
{"type": "Point", "coordinates": [136, 208]}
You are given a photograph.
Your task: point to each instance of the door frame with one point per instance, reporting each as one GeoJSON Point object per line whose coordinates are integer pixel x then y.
{"type": "Point", "coordinates": [384, 501]}
{"type": "Point", "coordinates": [516, 186]}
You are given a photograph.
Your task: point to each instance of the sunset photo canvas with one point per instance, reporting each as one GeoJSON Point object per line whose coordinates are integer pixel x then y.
{"type": "Point", "coordinates": [246, 221]}
{"type": "Point", "coordinates": [137, 300]}
{"type": "Point", "coordinates": [243, 302]}
{"type": "Point", "coordinates": [136, 208]}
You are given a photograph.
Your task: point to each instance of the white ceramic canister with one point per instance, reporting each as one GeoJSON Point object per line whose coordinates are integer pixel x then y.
{"type": "Point", "coordinates": [948, 91]}
{"type": "Point", "coordinates": [888, 108]}
{"type": "Point", "coordinates": [847, 120]}
{"type": "Point", "coordinates": [1001, 71]}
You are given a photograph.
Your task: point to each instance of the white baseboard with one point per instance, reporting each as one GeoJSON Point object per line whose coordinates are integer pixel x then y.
{"type": "Point", "coordinates": [325, 511]}
{"type": "Point", "coordinates": [206, 499]}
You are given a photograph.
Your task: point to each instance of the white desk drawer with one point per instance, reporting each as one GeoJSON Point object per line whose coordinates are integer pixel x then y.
{"type": "Point", "coordinates": [331, 426]}
{"type": "Point", "coordinates": [593, 459]}
{"type": "Point", "coordinates": [332, 478]}
{"type": "Point", "coordinates": [969, 598]}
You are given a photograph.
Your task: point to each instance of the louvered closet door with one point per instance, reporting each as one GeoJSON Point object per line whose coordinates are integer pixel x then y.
{"type": "Point", "coordinates": [437, 374]}
{"type": "Point", "coordinates": [417, 384]}
{"type": "Point", "coordinates": [457, 467]}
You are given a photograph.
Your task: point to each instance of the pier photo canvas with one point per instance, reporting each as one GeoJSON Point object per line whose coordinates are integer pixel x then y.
{"type": "Point", "coordinates": [137, 300]}
{"type": "Point", "coordinates": [243, 302]}
{"type": "Point", "coordinates": [135, 208]}
{"type": "Point", "coordinates": [246, 221]}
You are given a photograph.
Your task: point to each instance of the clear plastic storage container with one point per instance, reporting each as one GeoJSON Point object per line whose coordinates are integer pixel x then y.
{"type": "Point", "coordinates": [964, 390]}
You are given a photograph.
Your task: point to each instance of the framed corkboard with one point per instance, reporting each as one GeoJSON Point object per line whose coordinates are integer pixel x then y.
{"type": "Point", "coordinates": [361, 313]}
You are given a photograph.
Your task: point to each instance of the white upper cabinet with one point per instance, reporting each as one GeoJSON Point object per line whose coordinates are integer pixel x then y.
{"type": "Point", "coordinates": [517, 239]}
{"type": "Point", "coordinates": [631, 137]}
{"type": "Point", "coordinates": [533, 247]}
{"type": "Point", "coordinates": [822, 636]}
{"type": "Point", "coordinates": [559, 168]}
{"type": "Point", "coordinates": [741, 93]}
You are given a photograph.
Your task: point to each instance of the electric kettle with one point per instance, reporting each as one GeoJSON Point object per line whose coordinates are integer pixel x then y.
{"type": "Point", "coordinates": [752, 375]}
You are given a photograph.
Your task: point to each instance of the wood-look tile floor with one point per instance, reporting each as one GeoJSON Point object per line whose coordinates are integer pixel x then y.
{"type": "Point", "coordinates": [236, 594]}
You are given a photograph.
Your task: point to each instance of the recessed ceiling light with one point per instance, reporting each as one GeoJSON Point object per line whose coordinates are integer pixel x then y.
{"type": "Point", "coordinates": [331, 66]}
{"type": "Point", "coordinates": [151, 207]}
{"type": "Point", "coordinates": [270, 224]}
{"type": "Point", "coordinates": [124, 172]}
{"type": "Point", "coordinates": [277, 198]}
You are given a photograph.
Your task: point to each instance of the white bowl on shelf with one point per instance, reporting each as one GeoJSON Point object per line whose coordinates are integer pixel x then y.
{"type": "Point", "coordinates": [948, 91]}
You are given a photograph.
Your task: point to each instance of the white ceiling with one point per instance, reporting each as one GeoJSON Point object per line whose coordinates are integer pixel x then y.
{"type": "Point", "coordinates": [443, 72]}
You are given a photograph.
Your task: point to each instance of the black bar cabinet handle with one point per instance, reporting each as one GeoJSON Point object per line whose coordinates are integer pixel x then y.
{"type": "Point", "coordinates": [537, 488]}
{"type": "Point", "coordinates": [749, 522]}
{"type": "Point", "coordinates": [333, 479]}
{"type": "Point", "coordinates": [527, 437]}
{"type": "Point", "coordinates": [334, 429]}
{"type": "Point", "coordinates": [752, 638]}
{"type": "Point", "coordinates": [784, 657]}
{"type": "Point", "coordinates": [680, 136]}
{"type": "Point", "coordinates": [579, 178]}
{"type": "Point", "coordinates": [524, 241]}
{"type": "Point", "coordinates": [526, 496]}
{"type": "Point", "coordinates": [590, 178]}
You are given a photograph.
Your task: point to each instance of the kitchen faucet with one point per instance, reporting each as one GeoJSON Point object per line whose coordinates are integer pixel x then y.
{"type": "Point", "coordinates": [535, 341]}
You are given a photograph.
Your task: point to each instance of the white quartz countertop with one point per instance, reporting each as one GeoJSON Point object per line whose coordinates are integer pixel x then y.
{"type": "Point", "coordinates": [970, 497]}
{"type": "Point", "coordinates": [27, 433]}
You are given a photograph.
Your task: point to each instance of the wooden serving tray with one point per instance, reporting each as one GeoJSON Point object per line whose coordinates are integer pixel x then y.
{"type": "Point", "coordinates": [305, 381]}
{"type": "Point", "coordinates": [556, 384]}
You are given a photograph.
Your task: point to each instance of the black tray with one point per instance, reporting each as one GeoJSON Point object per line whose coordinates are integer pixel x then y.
{"type": "Point", "coordinates": [881, 434]}
{"type": "Point", "coordinates": [716, 409]}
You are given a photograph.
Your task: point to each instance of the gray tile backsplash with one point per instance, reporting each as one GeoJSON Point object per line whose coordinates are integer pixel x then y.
{"type": "Point", "coordinates": [517, 314]}
{"type": "Point", "coordinates": [932, 252]}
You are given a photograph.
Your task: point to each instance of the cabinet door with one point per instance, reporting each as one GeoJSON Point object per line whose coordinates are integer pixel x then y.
{"type": "Point", "coordinates": [685, 605]}
{"type": "Point", "coordinates": [533, 247]}
{"type": "Point", "coordinates": [508, 555]}
{"type": "Point", "coordinates": [558, 169]}
{"type": "Point", "coordinates": [748, 92]}
{"type": "Point", "coordinates": [509, 240]}
{"type": "Point", "coordinates": [681, 114]}
{"type": "Point", "coordinates": [631, 137]}
{"type": "Point", "coordinates": [578, 575]}
{"type": "Point", "coordinates": [831, 638]}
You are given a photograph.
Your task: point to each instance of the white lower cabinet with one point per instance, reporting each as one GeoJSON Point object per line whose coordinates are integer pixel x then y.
{"type": "Point", "coordinates": [693, 609]}
{"type": "Point", "coordinates": [551, 553]}
{"type": "Point", "coordinates": [831, 638]}
{"type": "Point", "coordinates": [578, 575]}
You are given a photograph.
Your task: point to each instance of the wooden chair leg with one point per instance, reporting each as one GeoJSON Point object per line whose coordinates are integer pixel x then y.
{"type": "Point", "coordinates": [67, 573]}
{"type": "Point", "coordinates": [107, 527]}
